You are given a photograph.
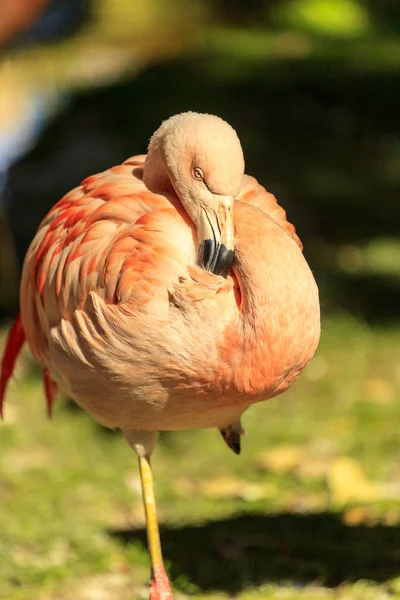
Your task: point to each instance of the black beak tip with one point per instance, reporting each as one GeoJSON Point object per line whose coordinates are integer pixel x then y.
{"type": "Point", "coordinates": [224, 261]}
{"type": "Point", "coordinates": [217, 259]}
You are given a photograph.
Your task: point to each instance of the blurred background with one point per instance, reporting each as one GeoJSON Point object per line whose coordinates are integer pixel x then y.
{"type": "Point", "coordinates": [313, 89]}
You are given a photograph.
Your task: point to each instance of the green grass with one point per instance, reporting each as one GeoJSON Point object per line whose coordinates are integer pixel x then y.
{"type": "Point", "coordinates": [309, 509]}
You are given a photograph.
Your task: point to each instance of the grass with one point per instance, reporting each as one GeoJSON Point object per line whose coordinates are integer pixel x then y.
{"type": "Point", "coordinates": [309, 510]}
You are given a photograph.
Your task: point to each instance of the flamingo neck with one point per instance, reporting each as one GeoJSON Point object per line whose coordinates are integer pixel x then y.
{"type": "Point", "coordinates": [277, 327]}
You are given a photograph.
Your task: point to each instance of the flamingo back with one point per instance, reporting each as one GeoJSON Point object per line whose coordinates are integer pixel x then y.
{"type": "Point", "coordinates": [255, 194]}
{"type": "Point", "coordinates": [110, 236]}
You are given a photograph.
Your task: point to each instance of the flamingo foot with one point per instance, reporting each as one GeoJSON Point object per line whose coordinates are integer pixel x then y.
{"type": "Point", "coordinates": [160, 588]}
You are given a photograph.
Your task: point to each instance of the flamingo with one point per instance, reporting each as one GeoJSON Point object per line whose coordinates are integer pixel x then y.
{"type": "Point", "coordinates": [166, 293]}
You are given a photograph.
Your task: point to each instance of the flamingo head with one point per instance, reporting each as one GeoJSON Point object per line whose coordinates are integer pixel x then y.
{"type": "Point", "coordinates": [200, 157]}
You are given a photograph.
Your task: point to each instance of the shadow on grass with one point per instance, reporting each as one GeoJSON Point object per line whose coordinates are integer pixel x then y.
{"type": "Point", "coordinates": [249, 550]}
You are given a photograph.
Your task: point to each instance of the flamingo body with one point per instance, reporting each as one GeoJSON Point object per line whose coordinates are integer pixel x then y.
{"type": "Point", "coordinates": [122, 318]}
{"type": "Point", "coordinates": [111, 301]}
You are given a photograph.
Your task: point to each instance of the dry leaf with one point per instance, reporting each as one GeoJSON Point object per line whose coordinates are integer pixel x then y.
{"type": "Point", "coordinates": [314, 468]}
{"type": "Point", "coordinates": [281, 459]}
{"type": "Point", "coordinates": [231, 487]}
{"type": "Point", "coordinates": [357, 515]}
{"type": "Point", "coordinates": [348, 483]}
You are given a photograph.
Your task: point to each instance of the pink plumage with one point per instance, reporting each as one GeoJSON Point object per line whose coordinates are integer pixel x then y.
{"type": "Point", "coordinates": [122, 318]}
{"type": "Point", "coordinates": [14, 343]}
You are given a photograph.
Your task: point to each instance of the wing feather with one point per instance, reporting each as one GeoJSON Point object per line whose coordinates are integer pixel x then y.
{"type": "Point", "coordinates": [110, 236]}
{"type": "Point", "coordinates": [255, 194]}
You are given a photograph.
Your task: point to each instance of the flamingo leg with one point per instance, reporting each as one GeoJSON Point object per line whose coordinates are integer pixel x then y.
{"type": "Point", "coordinates": [160, 588]}
{"type": "Point", "coordinates": [143, 444]}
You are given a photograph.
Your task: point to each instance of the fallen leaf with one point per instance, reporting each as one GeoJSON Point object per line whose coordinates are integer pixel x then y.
{"type": "Point", "coordinates": [357, 515]}
{"type": "Point", "coordinates": [281, 459]}
{"type": "Point", "coordinates": [314, 467]}
{"type": "Point", "coordinates": [347, 482]}
{"type": "Point", "coordinates": [231, 487]}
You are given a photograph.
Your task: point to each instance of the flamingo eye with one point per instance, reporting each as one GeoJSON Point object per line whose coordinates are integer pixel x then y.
{"type": "Point", "coordinates": [198, 173]}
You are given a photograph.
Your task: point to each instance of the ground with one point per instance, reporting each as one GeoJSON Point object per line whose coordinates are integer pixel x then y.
{"type": "Point", "coordinates": [309, 509]}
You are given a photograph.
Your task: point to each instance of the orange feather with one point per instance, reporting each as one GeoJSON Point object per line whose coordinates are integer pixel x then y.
{"type": "Point", "coordinates": [15, 341]}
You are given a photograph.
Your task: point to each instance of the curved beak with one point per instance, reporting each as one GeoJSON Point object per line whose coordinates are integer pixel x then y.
{"type": "Point", "coordinates": [216, 237]}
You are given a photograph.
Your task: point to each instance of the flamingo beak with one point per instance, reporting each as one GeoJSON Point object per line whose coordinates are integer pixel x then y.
{"type": "Point", "coordinates": [216, 237]}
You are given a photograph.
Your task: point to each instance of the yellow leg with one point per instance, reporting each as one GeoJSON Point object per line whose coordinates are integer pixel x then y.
{"type": "Point", "coordinates": [160, 588]}
{"type": "Point", "coordinates": [153, 535]}
{"type": "Point", "coordinates": [144, 442]}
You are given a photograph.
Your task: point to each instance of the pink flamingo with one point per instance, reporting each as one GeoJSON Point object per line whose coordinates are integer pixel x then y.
{"type": "Point", "coordinates": [169, 292]}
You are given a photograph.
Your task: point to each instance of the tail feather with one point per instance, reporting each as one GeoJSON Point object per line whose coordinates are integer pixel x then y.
{"type": "Point", "coordinates": [50, 390]}
{"type": "Point", "coordinates": [15, 340]}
